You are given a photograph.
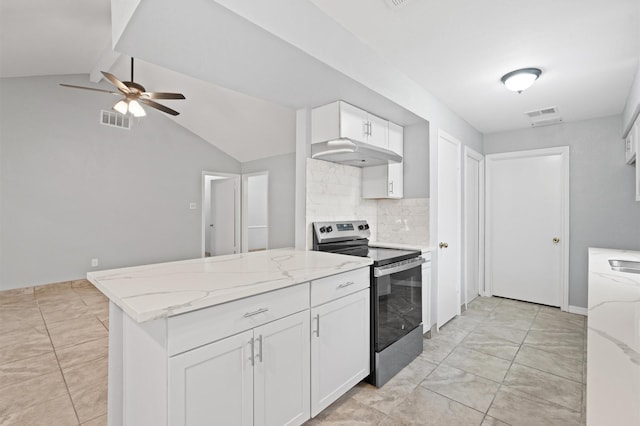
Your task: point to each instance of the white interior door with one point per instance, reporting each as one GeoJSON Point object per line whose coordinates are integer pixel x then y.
{"type": "Point", "coordinates": [449, 224]}
{"type": "Point", "coordinates": [528, 225]}
{"type": "Point", "coordinates": [473, 176]}
{"type": "Point", "coordinates": [223, 207]}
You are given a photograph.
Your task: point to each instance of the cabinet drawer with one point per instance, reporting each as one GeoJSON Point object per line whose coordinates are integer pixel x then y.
{"type": "Point", "coordinates": [335, 286]}
{"type": "Point", "coordinates": [207, 325]}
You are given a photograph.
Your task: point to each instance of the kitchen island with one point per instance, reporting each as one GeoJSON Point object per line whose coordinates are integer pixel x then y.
{"type": "Point", "coordinates": [613, 340]}
{"type": "Point", "coordinates": [269, 337]}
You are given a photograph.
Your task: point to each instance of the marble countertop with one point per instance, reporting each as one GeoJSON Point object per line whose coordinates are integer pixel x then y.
{"type": "Point", "coordinates": [613, 341]}
{"type": "Point", "coordinates": [165, 289]}
{"type": "Point", "coordinates": [422, 248]}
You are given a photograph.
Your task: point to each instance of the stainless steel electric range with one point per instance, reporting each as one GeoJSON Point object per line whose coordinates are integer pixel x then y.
{"type": "Point", "coordinates": [396, 294]}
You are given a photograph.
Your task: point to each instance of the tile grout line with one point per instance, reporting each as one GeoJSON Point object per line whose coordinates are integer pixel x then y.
{"type": "Point", "coordinates": [55, 353]}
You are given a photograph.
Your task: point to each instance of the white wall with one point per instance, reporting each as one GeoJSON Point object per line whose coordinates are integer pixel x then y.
{"type": "Point", "coordinates": [282, 184]}
{"type": "Point", "coordinates": [73, 189]}
{"type": "Point", "coordinates": [603, 210]}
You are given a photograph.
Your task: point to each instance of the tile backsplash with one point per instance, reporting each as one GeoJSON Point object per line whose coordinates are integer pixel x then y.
{"type": "Point", "coordinates": [334, 192]}
{"type": "Point", "coordinates": [404, 221]}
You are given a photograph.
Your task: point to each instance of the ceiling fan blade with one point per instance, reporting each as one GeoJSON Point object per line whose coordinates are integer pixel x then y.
{"type": "Point", "coordinates": [158, 106]}
{"type": "Point", "coordinates": [162, 95]}
{"type": "Point", "coordinates": [120, 85]}
{"type": "Point", "coordinates": [90, 88]}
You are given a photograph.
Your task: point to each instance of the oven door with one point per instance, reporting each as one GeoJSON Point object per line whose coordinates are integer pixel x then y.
{"type": "Point", "coordinates": [397, 298]}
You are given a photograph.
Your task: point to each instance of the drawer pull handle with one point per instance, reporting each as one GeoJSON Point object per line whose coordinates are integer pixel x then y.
{"type": "Point", "coordinates": [259, 311]}
{"type": "Point", "coordinates": [347, 284]}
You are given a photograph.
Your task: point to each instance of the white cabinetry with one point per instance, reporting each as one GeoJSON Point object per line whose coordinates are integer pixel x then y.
{"type": "Point", "coordinates": [245, 362]}
{"type": "Point", "coordinates": [342, 120]}
{"type": "Point", "coordinates": [213, 382]}
{"type": "Point", "coordinates": [386, 181]}
{"type": "Point", "coordinates": [426, 292]}
{"type": "Point", "coordinates": [340, 336]}
{"type": "Point", "coordinates": [260, 377]}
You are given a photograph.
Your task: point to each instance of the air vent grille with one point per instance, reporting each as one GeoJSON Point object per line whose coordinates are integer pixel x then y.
{"type": "Point", "coordinates": [114, 119]}
{"type": "Point", "coordinates": [396, 3]}
{"type": "Point", "coordinates": [542, 112]}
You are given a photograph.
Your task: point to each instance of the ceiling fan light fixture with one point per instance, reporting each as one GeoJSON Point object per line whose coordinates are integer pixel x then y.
{"type": "Point", "coordinates": [521, 79]}
{"type": "Point", "coordinates": [121, 107]}
{"type": "Point", "coordinates": [136, 109]}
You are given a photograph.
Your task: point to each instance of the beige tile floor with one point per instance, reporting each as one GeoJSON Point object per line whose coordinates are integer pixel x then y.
{"type": "Point", "coordinates": [53, 355]}
{"type": "Point", "coordinates": [500, 363]}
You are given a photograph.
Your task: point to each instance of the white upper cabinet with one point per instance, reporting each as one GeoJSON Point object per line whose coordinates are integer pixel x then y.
{"type": "Point", "coordinates": [386, 181]}
{"type": "Point", "coordinates": [342, 120]}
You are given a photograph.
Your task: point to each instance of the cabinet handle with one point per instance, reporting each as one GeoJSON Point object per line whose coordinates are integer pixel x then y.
{"type": "Point", "coordinates": [260, 348]}
{"type": "Point", "coordinates": [347, 284]}
{"type": "Point", "coordinates": [318, 324]}
{"type": "Point", "coordinates": [391, 187]}
{"type": "Point", "coordinates": [252, 357]}
{"type": "Point", "coordinates": [370, 129]}
{"type": "Point", "coordinates": [259, 311]}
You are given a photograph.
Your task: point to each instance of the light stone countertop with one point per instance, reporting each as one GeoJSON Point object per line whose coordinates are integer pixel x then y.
{"type": "Point", "coordinates": [165, 289]}
{"type": "Point", "coordinates": [613, 341]}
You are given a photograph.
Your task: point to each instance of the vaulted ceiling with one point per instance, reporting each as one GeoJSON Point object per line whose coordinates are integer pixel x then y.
{"type": "Point", "coordinates": [457, 50]}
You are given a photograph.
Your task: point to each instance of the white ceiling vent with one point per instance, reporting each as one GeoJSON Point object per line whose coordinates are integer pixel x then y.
{"type": "Point", "coordinates": [542, 112]}
{"type": "Point", "coordinates": [396, 3]}
{"type": "Point", "coordinates": [544, 116]}
{"type": "Point", "coordinates": [114, 119]}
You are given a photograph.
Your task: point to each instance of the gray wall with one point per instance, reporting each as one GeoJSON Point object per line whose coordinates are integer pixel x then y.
{"type": "Point", "coordinates": [416, 161]}
{"type": "Point", "coordinates": [282, 186]}
{"type": "Point", "coordinates": [73, 189]}
{"type": "Point", "coordinates": [603, 210]}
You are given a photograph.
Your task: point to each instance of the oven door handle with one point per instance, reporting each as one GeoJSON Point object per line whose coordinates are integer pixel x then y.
{"type": "Point", "coordinates": [397, 267]}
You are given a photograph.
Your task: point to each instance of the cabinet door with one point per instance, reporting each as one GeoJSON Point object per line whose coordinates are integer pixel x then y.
{"type": "Point", "coordinates": [353, 122]}
{"type": "Point", "coordinates": [339, 348]}
{"type": "Point", "coordinates": [281, 375]}
{"type": "Point", "coordinates": [378, 131]}
{"type": "Point", "coordinates": [396, 170]}
{"type": "Point", "coordinates": [213, 384]}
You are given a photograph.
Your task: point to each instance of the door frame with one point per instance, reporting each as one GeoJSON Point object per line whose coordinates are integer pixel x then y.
{"type": "Point", "coordinates": [245, 209]}
{"type": "Point", "coordinates": [474, 155]}
{"type": "Point", "coordinates": [563, 151]}
{"type": "Point", "coordinates": [237, 210]}
{"type": "Point", "coordinates": [458, 243]}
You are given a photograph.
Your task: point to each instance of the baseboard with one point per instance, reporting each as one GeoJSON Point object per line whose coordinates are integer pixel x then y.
{"type": "Point", "coordinates": [578, 310]}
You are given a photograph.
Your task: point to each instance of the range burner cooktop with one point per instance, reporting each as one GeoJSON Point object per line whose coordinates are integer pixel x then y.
{"type": "Point", "coordinates": [351, 238]}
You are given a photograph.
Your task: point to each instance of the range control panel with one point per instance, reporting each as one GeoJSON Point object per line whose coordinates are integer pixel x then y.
{"type": "Point", "coordinates": [342, 230]}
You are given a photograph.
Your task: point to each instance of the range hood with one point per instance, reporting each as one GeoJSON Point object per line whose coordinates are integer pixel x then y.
{"type": "Point", "coordinates": [353, 153]}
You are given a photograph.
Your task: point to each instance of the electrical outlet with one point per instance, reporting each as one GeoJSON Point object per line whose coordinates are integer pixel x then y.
{"type": "Point", "coordinates": [192, 206]}
{"type": "Point", "coordinates": [94, 262]}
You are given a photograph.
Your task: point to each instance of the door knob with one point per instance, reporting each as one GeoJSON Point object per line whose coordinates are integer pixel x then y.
{"type": "Point", "coordinates": [443, 245]}
{"type": "Point", "coordinates": [556, 240]}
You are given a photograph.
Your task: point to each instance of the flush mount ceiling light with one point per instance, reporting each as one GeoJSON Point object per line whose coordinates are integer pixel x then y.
{"type": "Point", "coordinates": [522, 79]}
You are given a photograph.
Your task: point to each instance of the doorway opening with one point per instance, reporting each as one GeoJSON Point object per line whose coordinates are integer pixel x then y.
{"type": "Point", "coordinates": [220, 213]}
{"type": "Point", "coordinates": [473, 259]}
{"type": "Point", "coordinates": [255, 211]}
